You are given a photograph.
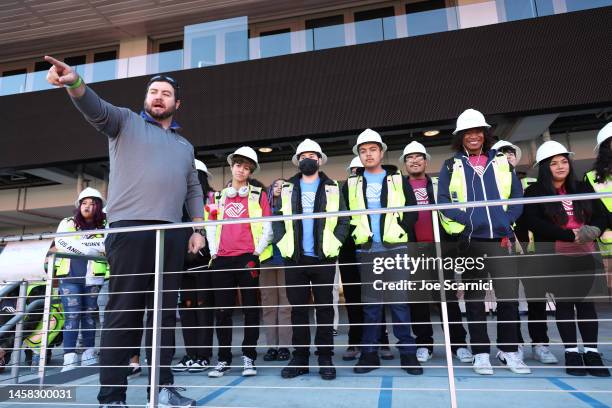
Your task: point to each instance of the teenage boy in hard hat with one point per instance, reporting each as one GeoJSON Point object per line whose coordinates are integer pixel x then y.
{"type": "Point", "coordinates": [478, 173]}
{"type": "Point", "coordinates": [381, 236]}
{"type": "Point", "coordinates": [236, 251]}
{"type": "Point", "coordinates": [536, 296]}
{"type": "Point", "coordinates": [351, 286]}
{"type": "Point", "coordinates": [309, 249]}
{"type": "Point", "coordinates": [415, 160]}
{"type": "Point", "coordinates": [152, 176]}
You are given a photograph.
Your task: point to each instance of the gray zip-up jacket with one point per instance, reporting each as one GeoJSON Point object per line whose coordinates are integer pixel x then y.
{"type": "Point", "coordinates": [152, 173]}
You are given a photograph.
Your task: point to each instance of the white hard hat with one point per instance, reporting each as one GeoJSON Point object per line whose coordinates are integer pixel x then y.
{"type": "Point", "coordinates": [550, 149]}
{"type": "Point", "coordinates": [503, 143]}
{"type": "Point", "coordinates": [604, 134]}
{"type": "Point", "coordinates": [245, 151]}
{"type": "Point", "coordinates": [308, 145]}
{"type": "Point", "coordinates": [200, 166]}
{"type": "Point", "coordinates": [368, 136]}
{"type": "Point", "coordinates": [414, 147]}
{"type": "Point", "coordinates": [356, 162]}
{"type": "Point", "coordinates": [470, 118]}
{"type": "Point", "coordinates": [89, 192]}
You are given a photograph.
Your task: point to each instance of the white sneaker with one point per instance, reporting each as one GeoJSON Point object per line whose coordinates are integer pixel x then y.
{"type": "Point", "coordinates": [71, 361]}
{"type": "Point", "coordinates": [544, 355]}
{"type": "Point", "coordinates": [464, 355]}
{"type": "Point", "coordinates": [219, 370]}
{"type": "Point", "coordinates": [482, 365]}
{"type": "Point", "coordinates": [513, 362]}
{"type": "Point", "coordinates": [249, 369]}
{"type": "Point", "coordinates": [89, 357]}
{"type": "Point", "coordinates": [182, 365]}
{"type": "Point", "coordinates": [423, 354]}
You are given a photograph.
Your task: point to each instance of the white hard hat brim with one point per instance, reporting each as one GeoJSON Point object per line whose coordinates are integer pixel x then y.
{"type": "Point", "coordinates": [570, 154]}
{"type": "Point", "coordinates": [77, 202]}
{"type": "Point", "coordinates": [484, 125]}
{"type": "Point", "coordinates": [296, 162]}
{"type": "Point", "coordinates": [231, 156]}
{"type": "Point", "coordinates": [356, 147]}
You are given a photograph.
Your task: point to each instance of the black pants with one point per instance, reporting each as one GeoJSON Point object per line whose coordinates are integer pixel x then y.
{"type": "Point", "coordinates": [497, 265]}
{"type": "Point", "coordinates": [226, 298]}
{"type": "Point", "coordinates": [420, 312]}
{"type": "Point", "coordinates": [128, 254]}
{"type": "Point", "coordinates": [576, 313]}
{"type": "Point", "coordinates": [352, 291]}
{"type": "Point", "coordinates": [197, 314]}
{"type": "Point", "coordinates": [313, 272]}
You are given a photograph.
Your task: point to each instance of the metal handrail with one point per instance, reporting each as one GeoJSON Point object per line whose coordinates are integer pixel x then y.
{"type": "Point", "coordinates": [347, 213]}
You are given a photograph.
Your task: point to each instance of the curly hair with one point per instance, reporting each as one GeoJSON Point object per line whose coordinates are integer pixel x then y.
{"type": "Point", "coordinates": [603, 163]}
{"type": "Point", "coordinates": [457, 142]}
{"type": "Point", "coordinates": [99, 218]}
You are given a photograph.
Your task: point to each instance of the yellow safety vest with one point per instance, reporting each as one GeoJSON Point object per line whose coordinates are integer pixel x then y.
{"type": "Point", "coordinates": [255, 211]}
{"type": "Point", "coordinates": [331, 244]}
{"type": "Point", "coordinates": [62, 265]}
{"type": "Point", "coordinates": [56, 324]}
{"type": "Point", "coordinates": [392, 232]}
{"type": "Point", "coordinates": [605, 241]}
{"type": "Point", "coordinates": [457, 188]}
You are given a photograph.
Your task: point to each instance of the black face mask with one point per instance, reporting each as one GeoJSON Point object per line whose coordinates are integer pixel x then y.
{"type": "Point", "coordinates": [308, 167]}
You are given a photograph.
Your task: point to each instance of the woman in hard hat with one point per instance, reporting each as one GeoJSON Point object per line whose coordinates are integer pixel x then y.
{"type": "Point", "coordinates": [568, 229]}
{"type": "Point", "coordinates": [79, 279]}
{"type": "Point", "coordinates": [276, 310]}
{"type": "Point", "coordinates": [197, 306]}
{"type": "Point", "coordinates": [600, 179]}
{"type": "Point", "coordinates": [477, 172]}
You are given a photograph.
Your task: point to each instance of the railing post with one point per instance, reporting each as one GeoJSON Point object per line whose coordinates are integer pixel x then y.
{"type": "Point", "coordinates": [157, 316]}
{"type": "Point", "coordinates": [16, 356]}
{"type": "Point", "coordinates": [45, 320]}
{"type": "Point", "coordinates": [444, 311]}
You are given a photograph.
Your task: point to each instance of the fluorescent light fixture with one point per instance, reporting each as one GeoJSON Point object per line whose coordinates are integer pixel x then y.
{"type": "Point", "coordinates": [265, 149]}
{"type": "Point", "coordinates": [431, 132]}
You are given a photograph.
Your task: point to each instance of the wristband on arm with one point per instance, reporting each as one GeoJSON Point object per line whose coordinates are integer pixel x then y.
{"type": "Point", "coordinates": [75, 85]}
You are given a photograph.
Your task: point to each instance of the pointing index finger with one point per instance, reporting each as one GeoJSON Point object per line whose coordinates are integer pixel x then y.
{"type": "Point", "coordinates": [55, 62]}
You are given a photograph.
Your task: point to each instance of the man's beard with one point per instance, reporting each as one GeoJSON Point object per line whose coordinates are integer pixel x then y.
{"type": "Point", "coordinates": [164, 115]}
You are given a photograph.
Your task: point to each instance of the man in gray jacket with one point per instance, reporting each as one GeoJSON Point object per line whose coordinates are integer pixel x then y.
{"type": "Point", "coordinates": [152, 175]}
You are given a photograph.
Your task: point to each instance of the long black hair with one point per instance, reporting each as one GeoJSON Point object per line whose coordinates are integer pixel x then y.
{"type": "Point", "coordinates": [99, 218]}
{"type": "Point", "coordinates": [555, 211]}
{"type": "Point", "coordinates": [273, 201]}
{"type": "Point", "coordinates": [457, 143]}
{"type": "Point", "coordinates": [203, 178]}
{"type": "Point", "coordinates": [603, 164]}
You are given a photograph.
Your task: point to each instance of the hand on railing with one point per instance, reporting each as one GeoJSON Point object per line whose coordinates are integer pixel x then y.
{"type": "Point", "coordinates": [196, 243]}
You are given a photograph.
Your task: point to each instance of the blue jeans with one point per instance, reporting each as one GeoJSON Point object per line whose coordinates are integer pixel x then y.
{"type": "Point", "coordinates": [80, 304]}
{"type": "Point", "coordinates": [400, 313]}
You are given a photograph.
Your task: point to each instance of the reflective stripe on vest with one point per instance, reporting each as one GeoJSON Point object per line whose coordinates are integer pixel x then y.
{"type": "Point", "coordinates": [255, 211]}
{"type": "Point", "coordinates": [392, 232]}
{"type": "Point", "coordinates": [605, 241]}
{"type": "Point", "coordinates": [56, 324]}
{"type": "Point", "coordinates": [331, 245]}
{"type": "Point", "coordinates": [62, 265]}
{"type": "Point", "coordinates": [457, 188]}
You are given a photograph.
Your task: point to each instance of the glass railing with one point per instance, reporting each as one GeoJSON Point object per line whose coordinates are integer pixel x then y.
{"type": "Point", "coordinates": [226, 41]}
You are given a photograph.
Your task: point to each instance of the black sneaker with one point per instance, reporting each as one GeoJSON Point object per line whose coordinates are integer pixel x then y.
{"type": "Point", "coordinates": [198, 366]}
{"type": "Point", "coordinates": [326, 369]}
{"type": "Point", "coordinates": [296, 367]}
{"type": "Point", "coordinates": [367, 362]}
{"type": "Point", "coordinates": [271, 355]}
{"type": "Point", "coordinates": [183, 365]}
{"type": "Point", "coordinates": [574, 365]}
{"type": "Point", "coordinates": [283, 354]}
{"type": "Point", "coordinates": [594, 365]}
{"type": "Point", "coordinates": [410, 364]}
{"type": "Point", "coordinates": [350, 354]}
{"type": "Point", "coordinates": [170, 397]}
{"type": "Point", "coordinates": [386, 353]}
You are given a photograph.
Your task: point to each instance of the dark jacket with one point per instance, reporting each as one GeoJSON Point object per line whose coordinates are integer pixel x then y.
{"type": "Point", "coordinates": [545, 230]}
{"type": "Point", "coordinates": [481, 222]}
{"type": "Point", "coordinates": [409, 218]}
{"type": "Point", "coordinates": [341, 230]}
